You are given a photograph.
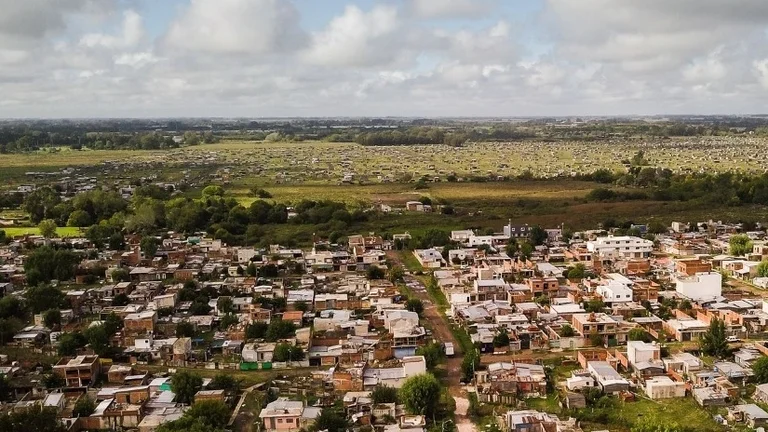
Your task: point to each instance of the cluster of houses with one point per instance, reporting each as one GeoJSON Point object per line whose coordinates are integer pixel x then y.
{"type": "Point", "coordinates": [586, 295]}
{"type": "Point", "coordinates": [357, 331]}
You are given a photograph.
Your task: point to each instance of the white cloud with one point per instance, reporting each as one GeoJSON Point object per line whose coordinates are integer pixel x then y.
{"type": "Point", "coordinates": [705, 70]}
{"type": "Point", "coordinates": [131, 34]}
{"type": "Point", "coordinates": [410, 57]}
{"type": "Point", "coordinates": [237, 27]}
{"type": "Point", "coordinates": [461, 9]}
{"type": "Point", "coordinates": [761, 69]}
{"type": "Point", "coordinates": [136, 60]}
{"type": "Point", "coordinates": [357, 38]}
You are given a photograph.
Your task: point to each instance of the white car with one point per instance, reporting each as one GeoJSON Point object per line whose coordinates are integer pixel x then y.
{"type": "Point", "coordinates": [732, 339]}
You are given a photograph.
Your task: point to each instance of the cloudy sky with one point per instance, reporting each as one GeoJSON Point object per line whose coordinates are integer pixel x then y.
{"type": "Point", "coordinates": [252, 58]}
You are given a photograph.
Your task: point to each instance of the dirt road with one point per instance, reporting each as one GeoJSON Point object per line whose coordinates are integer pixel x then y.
{"type": "Point", "coordinates": [452, 365]}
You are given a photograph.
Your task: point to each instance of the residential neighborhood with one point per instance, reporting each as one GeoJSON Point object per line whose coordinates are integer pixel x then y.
{"type": "Point", "coordinates": [578, 318]}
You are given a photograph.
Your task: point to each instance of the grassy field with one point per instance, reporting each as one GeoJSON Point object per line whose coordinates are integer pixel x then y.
{"type": "Point", "coordinates": [622, 416]}
{"type": "Point", "coordinates": [292, 172]}
{"type": "Point", "coordinates": [22, 231]}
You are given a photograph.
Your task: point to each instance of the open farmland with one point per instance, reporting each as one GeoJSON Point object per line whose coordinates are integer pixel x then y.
{"type": "Point", "coordinates": [361, 176]}
{"type": "Point", "coordinates": [241, 162]}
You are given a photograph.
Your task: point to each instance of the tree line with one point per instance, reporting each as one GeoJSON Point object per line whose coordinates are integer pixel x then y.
{"type": "Point", "coordinates": [19, 141]}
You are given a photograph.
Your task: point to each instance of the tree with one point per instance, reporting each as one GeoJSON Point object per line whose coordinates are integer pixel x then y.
{"type": "Point", "coordinates": [537, 235]}
{"type": "Point", "coordinates": [112, 324]}
{"type": "Point", "coordinates": [257, 330]}
{"type": "Point", "coordinates": [47, 228]}
{"type": "Point", "coordinates": [225, 305]}
{"type": "Point", "coordinates": [713, 341]}
{"type": "Point", "coordinates": [79, 218]}
{"type": "Point", "coordinates": [762, 269]}
{"type": "Point", "coordinates": [415, 305]}
{"type": "Point", "coordinates": [98, 339]}
{"type": "Point", "coordinates": [203, 416]}
{"type": "Point", "coordinates": [567, 331]}
{"type": "Point", "coordinates": [228, 321]}
{"type": "Point", "coordinates": [214, 412]}
{"type": "Point", "coordinates": [595, 305]}
{"type": "Point", "coordinates": [69, 343]}
{"type": "Point", "coordinates": [638, 334]}
{"type": "Point", "coordinates": [286, 352]}
{"type": "Point", "coordinates": [740, 245]}
{"type": "Point", "coordinates": [301, 306]}
{"type": "Point", "coordinates": [279, 329]}
{"type": "Point", "coordinates": [420, 394]}
{"type": "Point", "coordinates": [45, 264]}
{"type": "Point", "coordinates": [578, 271]}
{"type": "Point", "coordinates": [596, 339]}
{"type": "Point", "coordinates": [225, 382]}
{"type": "Point", "coordinates": [148, 246]}
{"type": "Point", "coordinates": [396, 274]}
{"type": "Point", "coordinates": [526, 250]}
{"type": "Point", "coordinates": [84, 407]}
{"type": "Point", "coordinates": [501, 340]}
{"type": "Point", "coordinates": [40, 203]}
{"type": "Point", "coordinates": [512, 247]}
{"type": "Point", "coordinates": [685, 305]}
{"type": "Point", "coordinates": [53, 381]}
{"type": "Point", "coordinates": [385, 394]}
{"type": "Point", "coordinates": [185, 329]}
{"type": "Point", "coordinates": [43, 297]}
{"type": "Point", "coordinates": [433, 354]}
{"type": "Point", "coordinates": [213, 190]}
{"type": "Point", "coordinates": [374, 272]}
{"type": "Point", "coordinates": [5, 389]}
{"type": "Point", "coordinates": [330, 420]}
{"type": "Point", "coordinates": [52, 318]}
{"type": "Point", "coordinates": [184, 385]}
{"type": "Point", "coordinates": [470, 364]}
{"type": "Point", "coordinates": [200, 307]}
{"type": "Point", "coordinates": [120, 300]}
{"type": "Point", "coordinates": [32, 419]}
{"type": "Point", "coordinates": [121, 275]}
{"type": "Point", "coordinates": [760, 368]}
{"type": "Point", "coordinates": [657, 227]}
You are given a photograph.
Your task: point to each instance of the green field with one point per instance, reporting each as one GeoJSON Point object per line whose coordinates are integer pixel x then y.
{"type": "Point", "coordinates": [22, 231]}
{"type": "Point", "coordinates": [292, 172]}
{"type": "Point", "coordinates": [622, 416]}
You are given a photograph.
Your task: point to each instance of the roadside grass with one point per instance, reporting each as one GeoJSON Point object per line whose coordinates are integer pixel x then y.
{"type": "Point", "coordinates": [22, 231]}
{"type": "Point", "coordinates": [409, 261]}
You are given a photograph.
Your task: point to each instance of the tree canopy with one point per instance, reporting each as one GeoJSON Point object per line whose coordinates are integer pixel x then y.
{"type": "Point", "coordinates": [184, 385]}
{"type": "Point", "coordinates": [420, 394]}
{"type": "Point", "coordinates": [713, 342]}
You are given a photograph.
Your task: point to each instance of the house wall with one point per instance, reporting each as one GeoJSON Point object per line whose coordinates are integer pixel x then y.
{"type": "Point", "coordinates": [284, 423]}
{"type": "Point", "coordinates": [702, 286]}
{"type": "Point", "coordinates": [664, 390]}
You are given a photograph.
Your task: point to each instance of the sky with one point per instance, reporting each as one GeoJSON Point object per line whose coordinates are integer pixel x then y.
{"type": "Point", "coordinates": [426, 58]}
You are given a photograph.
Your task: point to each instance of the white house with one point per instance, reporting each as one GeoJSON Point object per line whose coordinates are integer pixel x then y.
{"type": "Point", "coordinates": [607, 377]}
{"type": "Point", "coordinates": [620, 247]}
{"type": "Point", "coordinates": [430, 258]}
{"type": "Point", "coordinates": [461, 236]}
{"type": "Point", "coordinates": [663, 387]}
{"type": "Point", "coordinates": [614, 292]}
{"type": "Point", "coordinates": [642, 352]}
{"type": "Point", "coordinates": [701, 286]}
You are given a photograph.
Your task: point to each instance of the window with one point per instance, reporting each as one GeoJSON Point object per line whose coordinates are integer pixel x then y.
{"type": "Point", "coordinates": [279, 420]}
